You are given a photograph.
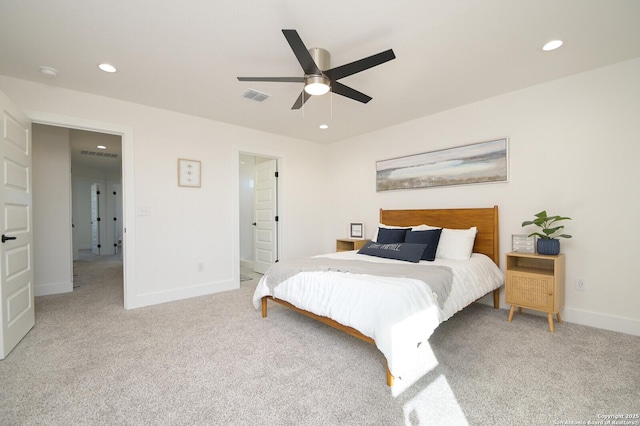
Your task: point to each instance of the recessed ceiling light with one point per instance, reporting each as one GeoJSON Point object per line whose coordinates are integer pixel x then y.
{"type": "Point", "coordinates": [107, 68]}
{"type": "Point", "coordinates": [324, 126]}
{"type": "Point", "coordinates": [49, 72]}
{"type": "Point", "coordinates": [552, 45]}
{"type": "Point", "coordinates": [101, 147]}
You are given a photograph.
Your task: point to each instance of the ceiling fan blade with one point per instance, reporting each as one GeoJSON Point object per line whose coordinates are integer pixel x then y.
{"type": "Point", "coordinates": [304, 96]}
{"type": "Point", "coordinates": [274, 79]}
{"type": "Point", "coordinates": [301, 52]}
{"type": "Point", "coordinates": [347, 91]}
{"type": "Point", "coordinates": [360, 65]}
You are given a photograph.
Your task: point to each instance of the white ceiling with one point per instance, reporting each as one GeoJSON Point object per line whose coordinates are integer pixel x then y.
{"type": "Point", "coordinates": [185, 56]}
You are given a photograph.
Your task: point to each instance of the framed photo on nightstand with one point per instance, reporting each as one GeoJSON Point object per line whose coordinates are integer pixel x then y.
{"type": "Point", "coordinates": [522, 243]}
{"type": "Point", "coordinates": [356, 230]}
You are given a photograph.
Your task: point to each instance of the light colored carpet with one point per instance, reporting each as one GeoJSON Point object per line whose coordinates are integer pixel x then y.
{"type": "Point", "coordinates": [215, 360]}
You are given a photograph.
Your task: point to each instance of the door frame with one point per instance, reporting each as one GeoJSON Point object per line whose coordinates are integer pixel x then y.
{"type": "Point", "coordinates": [127, 179]}
{"type": "Point", "coordinates": [280, 228]}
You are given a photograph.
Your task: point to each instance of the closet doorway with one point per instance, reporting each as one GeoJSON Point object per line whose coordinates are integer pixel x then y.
{"type": "Point", "coordinates": [259, 218]}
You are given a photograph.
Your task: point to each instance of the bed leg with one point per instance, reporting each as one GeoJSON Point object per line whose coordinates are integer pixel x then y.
{"type": "Point", "coordinates": [496, 298]}
{"type": "Point", "coordinates": [389, 377]}
{"type": "Point", "coordinates": [264, 307]}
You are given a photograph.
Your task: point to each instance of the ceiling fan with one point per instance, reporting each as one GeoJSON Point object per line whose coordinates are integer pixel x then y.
{"type": "Point", "coordinates": [318, 79]}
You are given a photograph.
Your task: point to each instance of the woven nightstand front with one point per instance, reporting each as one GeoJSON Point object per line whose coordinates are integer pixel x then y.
{"type": "Point", "coordinates": [530, 291]}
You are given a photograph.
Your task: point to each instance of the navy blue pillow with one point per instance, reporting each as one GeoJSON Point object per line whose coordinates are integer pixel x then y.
{"type": "Point", "coordinates": [399, 251]}
{"type": "Point", "coordinates": [391, 235]}
{"type": "Point", "coordinates": [430, 238]}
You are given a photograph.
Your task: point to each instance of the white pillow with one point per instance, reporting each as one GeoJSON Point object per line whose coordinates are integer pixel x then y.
{"type": "Point", "coordinates": [456, 244]}
{"type": "Point", "coordinates": [424, 227]}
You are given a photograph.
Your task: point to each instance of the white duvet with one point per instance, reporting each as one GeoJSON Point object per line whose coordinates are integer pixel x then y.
{"type": "Point", "coordinates": [399, 314]}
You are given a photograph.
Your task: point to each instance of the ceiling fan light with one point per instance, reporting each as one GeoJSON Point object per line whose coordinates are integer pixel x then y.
{"type": "Point", "coordinates": [317, 85]}
{"type": "Point", "coordinates": [316, 89]}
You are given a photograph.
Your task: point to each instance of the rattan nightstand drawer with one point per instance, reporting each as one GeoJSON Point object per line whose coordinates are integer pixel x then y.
{"type": "Point", "coordinates": [530, 291]}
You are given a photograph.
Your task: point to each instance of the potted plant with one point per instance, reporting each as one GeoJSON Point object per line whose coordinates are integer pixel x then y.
{"type": "Point", "coordinates": [548, 242]}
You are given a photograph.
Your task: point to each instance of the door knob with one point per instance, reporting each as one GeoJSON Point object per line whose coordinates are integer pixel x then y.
{"type": "Point", "coordinates": [5, 238]}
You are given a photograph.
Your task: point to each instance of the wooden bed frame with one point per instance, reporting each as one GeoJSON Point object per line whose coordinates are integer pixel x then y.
{"type": "Point", "coordinates": [486, 242]}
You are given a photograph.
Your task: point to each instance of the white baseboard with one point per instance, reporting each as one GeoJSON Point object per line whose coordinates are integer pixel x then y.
{"type": "Point", "coordinates": [579, 316]}
{"type": "Point", "coordinates": [606, 322]}
{"type": "Point", "coordinates": [246, 264]}
{"type": "Point", "coordinates": [148, 299]}
{"type": "Point", "coordinates": [53, 288]}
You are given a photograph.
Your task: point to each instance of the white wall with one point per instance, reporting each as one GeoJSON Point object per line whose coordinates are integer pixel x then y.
{"type": "Point", "coordinates": [51, 210]}
{"type": "Point", "coordinates": [574, 150]}
{"type": "Point", "coordinates": [187, 226]}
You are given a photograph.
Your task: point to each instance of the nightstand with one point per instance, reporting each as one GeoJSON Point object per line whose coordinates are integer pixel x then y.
{"type": "Point", "coordinates": [348, 244]}
{"type": "Point", "coordinates": [535, 282]}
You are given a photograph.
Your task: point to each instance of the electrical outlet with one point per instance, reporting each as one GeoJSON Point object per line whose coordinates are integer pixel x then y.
{"type": "Point", "coordinates": [201, 267]}
{"type": "Point", "coordinates": [581, 284]}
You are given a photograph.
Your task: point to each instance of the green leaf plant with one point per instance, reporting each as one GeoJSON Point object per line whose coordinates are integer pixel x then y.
{"type": "Point", "coordinates": [546, 224]}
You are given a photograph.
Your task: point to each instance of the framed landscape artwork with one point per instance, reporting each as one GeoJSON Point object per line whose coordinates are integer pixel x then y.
{"type": "Point", "coordinates": [476, 163]}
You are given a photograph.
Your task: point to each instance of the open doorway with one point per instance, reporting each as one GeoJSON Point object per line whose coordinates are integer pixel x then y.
{"type": "Point", "coordinates": [259, 218]}
{"type": "Point", "coordinates": [96, 170]}
{"type": "Point", "coordinates": [89, 222]}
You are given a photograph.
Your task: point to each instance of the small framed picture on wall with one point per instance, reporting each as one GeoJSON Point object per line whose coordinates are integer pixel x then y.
{"type": "Point", "coordinates": [189, 173]}
{"type": "Point", "coordinates": [356, 230]}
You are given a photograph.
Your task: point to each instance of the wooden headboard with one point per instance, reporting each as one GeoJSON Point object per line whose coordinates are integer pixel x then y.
{"type": "Point", "coordinates": [485, 219]}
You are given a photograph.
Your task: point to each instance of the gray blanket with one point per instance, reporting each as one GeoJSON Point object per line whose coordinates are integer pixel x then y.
{"type": "Point", "coordinates": [438, 278]}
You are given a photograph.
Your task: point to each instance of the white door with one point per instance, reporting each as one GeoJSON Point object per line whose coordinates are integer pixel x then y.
{"type": "Point", "coordinates": [17, 313]}
{"type": "Point", "coordinates": [95, 219]}
{"type": "Point", "coordinates": [117, 218]}
{"type": "Point", "coordinates": [266, 225]}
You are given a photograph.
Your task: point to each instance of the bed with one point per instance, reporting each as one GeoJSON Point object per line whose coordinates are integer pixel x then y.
{"type": "Point", "coordinates": [396, 314]}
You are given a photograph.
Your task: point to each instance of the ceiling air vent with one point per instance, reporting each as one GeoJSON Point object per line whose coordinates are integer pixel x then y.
{"type": "Point", "coordinates": [254, 95]}
{"type": "Point", "coordinates": [99, 154]}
